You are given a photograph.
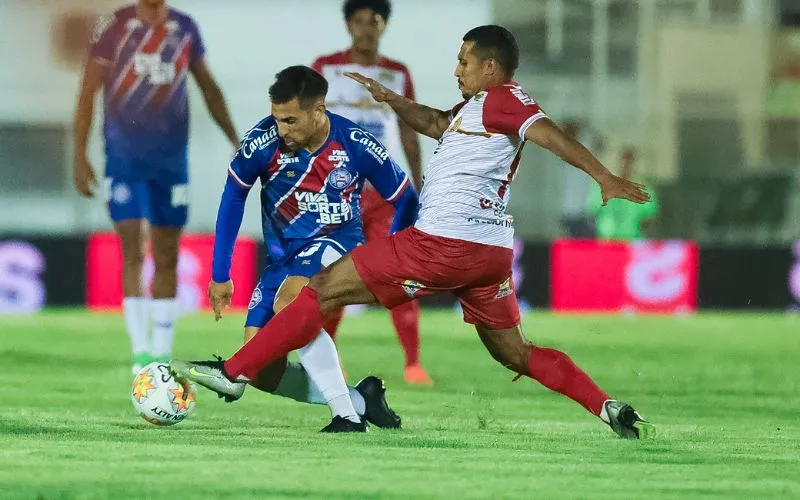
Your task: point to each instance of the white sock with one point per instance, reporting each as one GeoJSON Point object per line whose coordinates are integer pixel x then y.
{"type": "Point", "coordinates": [315, 397]}
{"type": "Point", "coordinates": [163, 312]}
{"type": "Point", "coordinates": [321, 362]}
{"type": "Point", "coordinates": [135, 311]}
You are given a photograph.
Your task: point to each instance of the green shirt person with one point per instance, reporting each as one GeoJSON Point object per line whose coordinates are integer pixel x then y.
{"type": "Point", "coordinates": [621, 219]}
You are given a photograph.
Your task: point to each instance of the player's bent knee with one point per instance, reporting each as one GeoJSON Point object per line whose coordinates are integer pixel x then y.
{"type": "Point", "coordinates": [249, 333]}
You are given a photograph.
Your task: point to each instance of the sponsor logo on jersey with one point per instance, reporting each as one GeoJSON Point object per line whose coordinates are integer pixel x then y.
{"type": "Point", "coordinates": [151, 66]}
{"type": "Point", "coordinates": [330, 212]}
{"type": "Point", "coordinates": [411, 287]}
{"type": "Point", "coordinates": [286, 158]}
{"type": "Point", "coordinates": [507, 221]}
{"type": "Point", "coordinates": [522, 96]}
{"type": "Point", "coordinates": [262, 141]}
{"type": "Point", "coordinates": [373, 147]}
{"type": "Point", "coordinates": [386, 76]}
{"type": "Point", "coordinates": [340, 178]}
{"type": "Point", "coordinates": [504, 290]}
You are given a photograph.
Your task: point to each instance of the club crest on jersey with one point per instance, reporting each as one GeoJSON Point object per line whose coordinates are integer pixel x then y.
{"type": "Point", "coordinates": [340, 178]}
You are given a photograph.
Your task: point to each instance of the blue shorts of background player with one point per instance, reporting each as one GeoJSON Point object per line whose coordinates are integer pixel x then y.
{"type": "Point", "coordinates": [153, 189]}
{"type": "Point", "coordinates": [308, 261]}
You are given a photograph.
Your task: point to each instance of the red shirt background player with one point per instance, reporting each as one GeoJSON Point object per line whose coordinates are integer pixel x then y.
{"type": "Point", "coordinates": [366, 22]}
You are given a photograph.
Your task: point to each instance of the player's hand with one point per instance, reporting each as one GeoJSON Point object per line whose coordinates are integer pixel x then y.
{"type": "Point", "coordinates": [374, 87]}
{"type": "Point", "coordinates": [83, 176]}
{"type": "Point", "coordinates": [219, 294]}
{"type": "Point", "coordinates": [613, 186]}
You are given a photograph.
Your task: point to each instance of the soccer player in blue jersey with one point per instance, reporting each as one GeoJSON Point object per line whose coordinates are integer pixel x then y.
{"type": "Point", "coordinates": [140, 56]}
{"type": "Point", "coordinates": [312, 166]}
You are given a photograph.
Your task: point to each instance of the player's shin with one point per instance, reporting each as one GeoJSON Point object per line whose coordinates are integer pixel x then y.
{"type": "Point", "coordinates": [556, 371]}
{"type": "Point", "coordinates": [321, 361]}
{"type": "Point", "coordinates": [292, 328]}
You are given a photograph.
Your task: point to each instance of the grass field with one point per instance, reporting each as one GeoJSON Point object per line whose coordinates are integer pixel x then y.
{"type": "Point", "coordinates": [723, 389]}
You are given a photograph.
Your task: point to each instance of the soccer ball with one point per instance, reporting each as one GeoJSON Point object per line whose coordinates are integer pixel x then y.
{"type": "Point", "coordinates": [159, 398]}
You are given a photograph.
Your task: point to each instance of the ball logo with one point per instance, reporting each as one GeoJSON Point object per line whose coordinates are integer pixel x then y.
{"type": "Point", "coordinates": [340, 178]}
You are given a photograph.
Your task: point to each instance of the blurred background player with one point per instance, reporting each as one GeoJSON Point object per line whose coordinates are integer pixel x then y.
{"type": "Point", "coordinates": [621, 219]}
{"type": "Point", "coordinates": [366, 21]}
{"type": "Point", "coordinates": [312, 166]}
{"type": "Point", "coordinates": [140, 56]}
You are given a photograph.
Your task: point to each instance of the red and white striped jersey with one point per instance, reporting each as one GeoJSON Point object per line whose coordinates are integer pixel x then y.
{"type": "Point", "coordinates": [348, 98]}
{"type": "Point", "coordinates": [467, 181]}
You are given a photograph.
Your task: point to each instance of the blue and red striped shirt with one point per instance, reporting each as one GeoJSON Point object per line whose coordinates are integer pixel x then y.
{"type": "Point", "coordinates": [145, 92]}
{"type": "Point", "coordinates": [305, 195]}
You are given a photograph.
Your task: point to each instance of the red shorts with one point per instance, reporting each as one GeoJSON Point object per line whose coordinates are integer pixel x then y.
{"type": "Point", "coordinates": [376, 214]}
{"type": "Point", "coordinates": [411, 263]}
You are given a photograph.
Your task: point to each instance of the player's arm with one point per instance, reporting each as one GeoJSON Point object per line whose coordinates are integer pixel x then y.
{"type": "Point", "coordinates": [546, 134]}
{"type": "Point", "coordinates": [409, 138]}
{"type": "Point", "coordinates": [242, 174]}
{"type": "Point", "coordinates": [214, 99]}
{"type": "Point", "coordinates": [425, 120]}
{"type": "Point", "coordinates": [94, 75]}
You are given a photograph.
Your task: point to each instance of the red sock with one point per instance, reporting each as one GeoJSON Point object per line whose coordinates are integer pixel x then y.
{"type": "Point", "coordinates": [556, 371]}
{"type": "Point", "coordinates": [405, 318]}
{"type": "Point", "coordinates": [292, 328]}
{"type": "Point", "coordinates": [331, 324]}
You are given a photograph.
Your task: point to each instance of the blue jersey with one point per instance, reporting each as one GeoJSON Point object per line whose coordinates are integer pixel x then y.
{"type": "Point", "coordinates": [145, 94]}
{"type": "Point", "coordinates": [306, 195]}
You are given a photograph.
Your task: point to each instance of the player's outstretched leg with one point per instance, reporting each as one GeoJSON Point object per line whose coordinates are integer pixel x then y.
{"type": "Point", "coordinates": [556, 371]}
{"type": "Point", "coordinates": [211, 375]}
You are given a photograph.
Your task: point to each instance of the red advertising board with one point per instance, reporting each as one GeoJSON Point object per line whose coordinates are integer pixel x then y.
{"type": "Point", "coordinates": [104, 271]}
{"type": "Point", "coordinates": [613, 276]}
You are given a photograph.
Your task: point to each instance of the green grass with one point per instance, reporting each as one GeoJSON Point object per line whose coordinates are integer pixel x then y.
{"type": "Point", "coordinates": [723, 389]}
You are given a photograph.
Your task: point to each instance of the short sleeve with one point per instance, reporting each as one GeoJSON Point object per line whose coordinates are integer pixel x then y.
{"type": "Point", "coordinates": [509, 110]}
{"type": "Point", "coordinates": [317, 65]}
{"type": "Point", "coordinates": [408, 88]}
{"type": "Point", "coordinates": [102, 40]}
{"type": "Point", "coordinates": [375, 164]}
{"type": "Point", "coordinates": [198, 47]}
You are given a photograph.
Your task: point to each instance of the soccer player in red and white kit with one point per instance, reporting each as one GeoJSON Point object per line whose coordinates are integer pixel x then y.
{"type": "Point", "coordinates": [366, 22]}
{"type": "Point", "coordinates": [462, 239]}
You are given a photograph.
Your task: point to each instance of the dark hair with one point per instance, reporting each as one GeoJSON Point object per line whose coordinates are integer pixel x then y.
{"type": "Point", "coordinates": [495, 42]}
{"type": "Point", "coordinates": [298, 81]}
{"type": "Point", "coordinates": [381, 7]}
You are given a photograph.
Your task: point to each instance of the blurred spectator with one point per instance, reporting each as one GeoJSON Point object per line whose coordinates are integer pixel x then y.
{"type": "Point", "coordinates": [576, 220]}
{"type": "Point", "coordinates": [622, 219]}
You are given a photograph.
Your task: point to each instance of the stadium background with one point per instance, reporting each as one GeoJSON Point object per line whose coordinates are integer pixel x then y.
{"type": "Point", "coordinates": [706, 91]}
{"type": "Point", "coordinates": [718, 142]}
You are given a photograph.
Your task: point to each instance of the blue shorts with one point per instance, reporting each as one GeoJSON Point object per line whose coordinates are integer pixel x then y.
{"type": "Point", "coordinates": [309, 260]}
{"type": "Point", "coordinates": [154, 190]}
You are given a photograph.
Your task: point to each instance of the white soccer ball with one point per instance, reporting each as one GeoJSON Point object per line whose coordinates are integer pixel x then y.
{"type": "Point", "coordinates": [159, 398]}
